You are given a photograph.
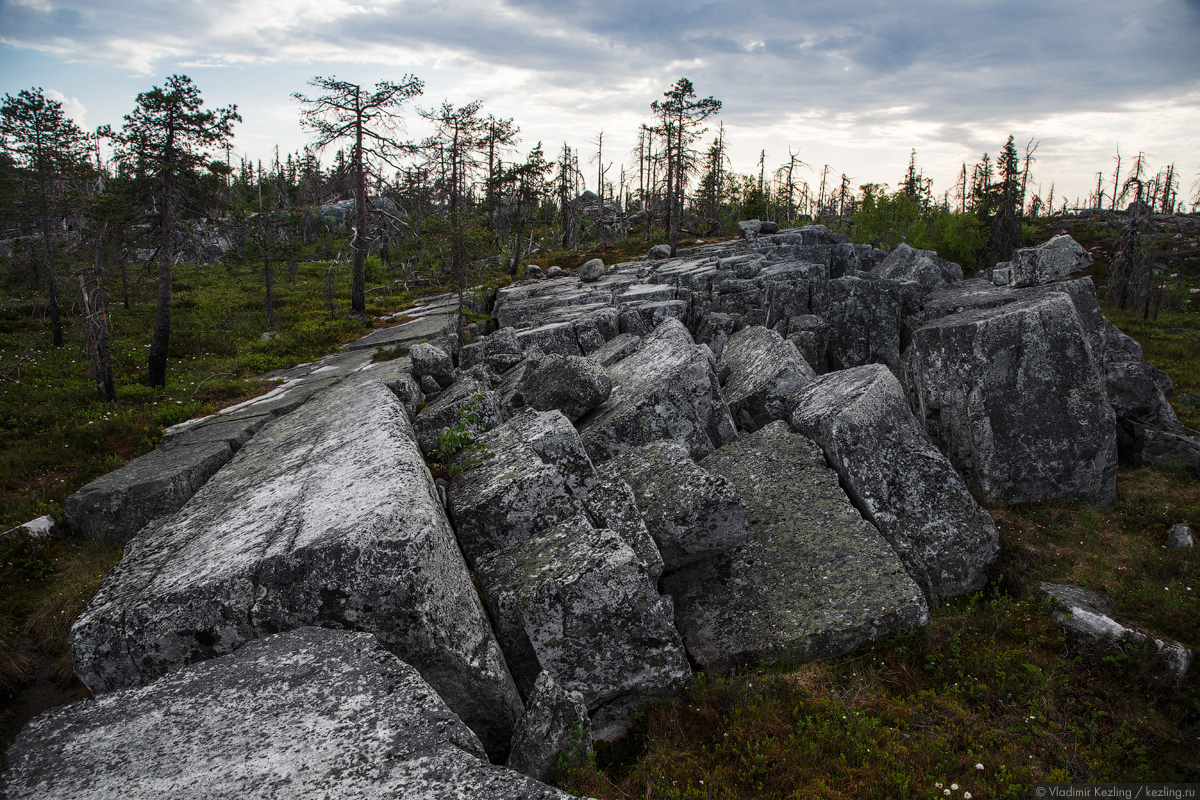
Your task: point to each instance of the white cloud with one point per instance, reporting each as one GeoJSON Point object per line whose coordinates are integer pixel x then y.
{"type": "Point", "coordinates": [71, 106]}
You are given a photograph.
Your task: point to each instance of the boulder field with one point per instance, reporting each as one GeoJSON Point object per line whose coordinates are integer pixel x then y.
{"type": "Point", "coordinates": [764, 451]}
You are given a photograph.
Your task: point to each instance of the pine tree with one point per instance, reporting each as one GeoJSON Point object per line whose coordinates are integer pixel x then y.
{"type": "Point", "coordinates": [370, 120]}
{"type": "Point", "coordinates": [164, 140]}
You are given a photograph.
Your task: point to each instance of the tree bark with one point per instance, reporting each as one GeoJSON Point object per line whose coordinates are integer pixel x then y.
{"type": "Point", "coordinates": [358, 291]}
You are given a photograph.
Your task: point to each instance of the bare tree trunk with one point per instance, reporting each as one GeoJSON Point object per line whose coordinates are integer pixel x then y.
{"type": "Point", "coordinates": [96, 309]}
{"type": "Point", "coordinates": [358, 290]}
{"type": "Point", "coordinates": [49, 281]}
{"type": "Point", "coordinates": [157, 366]}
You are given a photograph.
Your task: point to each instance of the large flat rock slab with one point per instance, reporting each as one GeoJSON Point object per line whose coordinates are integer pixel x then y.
{"type": "Point", "coordinates": [1014, 396]}
{"type": "Point", "coordinates": [308, 713]}
{"type": "Point", "coordinates": [116, 506]}
{"type": "Point", "coordinates": [327, 517]}
{"type": "Point", "coordinates": [813, 580]}
{"type": "Point", "coordinates": [666, 389]}
{"type": "Point", "coordinates": [897, 478]}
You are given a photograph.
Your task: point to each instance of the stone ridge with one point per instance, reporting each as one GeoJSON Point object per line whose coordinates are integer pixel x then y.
{"type": "Point", "coordinates": [327, 517]}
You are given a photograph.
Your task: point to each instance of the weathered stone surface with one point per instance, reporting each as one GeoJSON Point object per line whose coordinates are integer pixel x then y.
{"type": "Point", "coordinates": [307, 713]}
{"type": "Point", "coordinates": [814, 580]}
{"type": "Point", "coordinates": [766, 228]}
{"type": "Point", "coordinates": [690, 512]}
{"type": "Point", "coordinates": [1087, 615]}
{"type": "Point", "coordinates": [810, 334]}
{"type": "Point", "coordinates": [659, 251]}
{"type": "Point", "coordinates": [715, 329]}
{"type": "Point", "coordinates": [615, 349]}
{"type": "Point", "coordinates": [592, 331]}
{"type": "Point", "coordinates": [533, 272]}
{"type": "Point", "coordinates": [406, 389]}
{"type": "Point", "coordinates": [764, 370]}
{"type": "Point", "coordinates": [1013, 397]}
{"type": "Point", "coordinates": [234, 429]}
{"type": "Point", "coordinates": [749, 228]}
{"type": "Point", "coordinates": [1135, 391]}
{"type": "Point", "coordinates": [591, 271]}
{"type": "Point", "coordinates": [555, 726]}
{"type": "Point", "coordinates": [1049, 261]}
{"type": "Point", "coordinates": [666, 389]}
{"type": "Point", "coordinates": [116, 506]}
{"type": "Point", "coordinates": [499, 351]}
{"type": "Point", "coordinates": [574, 602]}
{"type": "Point", "coordinates": [556, 272]}
{"type": "Point", "coordinates": [611, 504]}
{"type": "Point", "coordinates": [467, 396]}
{"type": "Point", "coordinates": [1166, 450]}
{"type": "Point", "coordinates": [434, 362]}
{"type": "Point", "coordinates": [897, 478]}
{"type": "Point", "coordinates": [1180, 535]}
{"type": "Point", "coordinates": [326, 517]}
{"type": "Point", "coordinates": [536, 478]}
{"type": "Point", "coordinates": [923, 266]}
{"type": "Point", "coordinates": [573, 385]}
{"type": "Point", "coordinates": [554, 337]}
{"type": "Point", "coordinates": [864, 320]}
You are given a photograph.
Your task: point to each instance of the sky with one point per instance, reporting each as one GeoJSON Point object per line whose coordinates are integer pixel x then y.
{"type": "Point", "coordinates": [856, 84]}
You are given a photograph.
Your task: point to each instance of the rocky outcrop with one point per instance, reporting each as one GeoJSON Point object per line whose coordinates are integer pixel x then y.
{"type": "Point", "coordinates": [921, 266]}
{"type": "Point", "coordinates": [327, 517]}
{"type": "Point", "coordinates": [1087, 615]}
{"type": "Point", "coordinates": [897, 478]}
{"type": "Point", "coordinates": [555, 731]}
{"type": "Point", "coordinates": [611, 505]}
{"type": "Point", "coordinates": [116, 506]}
{"type": "Point", "coordinates": [573, 385]}
{"type": "Point", "coordinates": [469, 401]}
{"type": "Point", "coordinates": [1048, 262]}
{"type": "Point", "coordinates": [310, 712]}
{"type": "Point", "coordinates": [666, 389]}
{"type": "Point", "coordinates": [813, 580]}
{"type": "Point", "coordinates": [1013, 396]}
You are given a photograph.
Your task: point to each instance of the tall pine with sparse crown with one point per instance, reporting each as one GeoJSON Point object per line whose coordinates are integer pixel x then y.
{"type": "Point", "coordinates": [164, 142]}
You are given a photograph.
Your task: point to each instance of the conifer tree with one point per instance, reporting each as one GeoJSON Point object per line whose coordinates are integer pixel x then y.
{"type": "Point", "coordinates": [164, 141]}
{"type": "Point", "coordinates": [370, 120]}
{"type": "Point", "coordinates": [42, 140]}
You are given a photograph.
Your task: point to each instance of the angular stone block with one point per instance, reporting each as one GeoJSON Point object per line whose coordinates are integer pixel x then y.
{"type": "Point", "coordinates": [814, 580]}
{"type": "Point", "coordinates": [764, 370]}
{"type": "Point", "coordinates": [690, 512]}
{"type": "Point", "coordinates": [1013, 396]}
{"type": "Point", "coordinates": [896, 477]}
{"type": "Point", "coordinates": [116, 506]}
{"type": "Point", "coordinates": [535, 479]}
{"type": "Point", "coordinates": [666, 389]}
{"type": "Point", "coordinates": [573, 601]}
{"type": "Point", "coordinates": [307, 713]}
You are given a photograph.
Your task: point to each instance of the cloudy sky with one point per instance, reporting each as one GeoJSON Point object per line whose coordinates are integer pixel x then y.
{"type": "Point", "coordinates": [855, 84]}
